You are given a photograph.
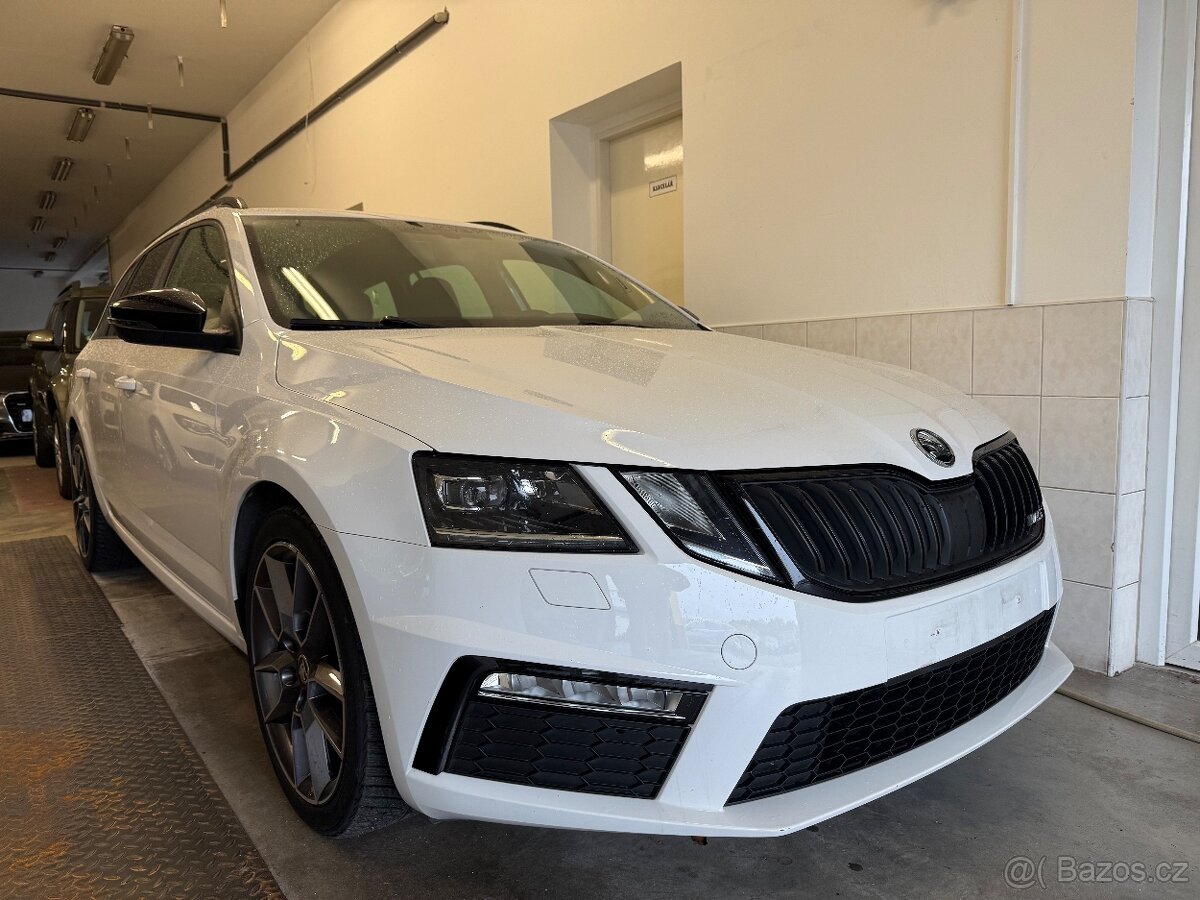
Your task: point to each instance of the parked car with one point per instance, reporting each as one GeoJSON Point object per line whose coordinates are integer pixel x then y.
{"type": "Point", "coordinates": [507, 536]}
{"type": "Point", "coordinates": [72, 320]}
{"type": "Point", "coordinates": [16, 413]}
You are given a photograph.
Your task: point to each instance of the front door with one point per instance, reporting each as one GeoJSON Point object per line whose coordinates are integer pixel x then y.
{"type": "Point", "coordinates": [173, 450]}
{"type": "Point", "coordinates": [645, 176]}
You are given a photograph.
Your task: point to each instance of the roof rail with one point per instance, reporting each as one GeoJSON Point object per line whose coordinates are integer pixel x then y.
{"type": "Point", "coordinates": [223, 201]}
{"type": "Point", "coordinates": [499, 225]}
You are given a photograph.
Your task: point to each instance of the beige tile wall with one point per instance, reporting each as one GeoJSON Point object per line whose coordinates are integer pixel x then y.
{"type": "Point", "coordinates": [1072, 380]}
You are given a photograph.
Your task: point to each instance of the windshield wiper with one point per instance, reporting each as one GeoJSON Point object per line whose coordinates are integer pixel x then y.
{"type": "Point", "coordinates": [336, 324]}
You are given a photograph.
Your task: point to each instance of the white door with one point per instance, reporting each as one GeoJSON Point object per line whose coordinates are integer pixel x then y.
{"type": "Point", "coordinates": [107, 372]}
{"type": "Point", "coordinates": [173, 450]}
{"type": "Point", "coordinates": [645, 177]}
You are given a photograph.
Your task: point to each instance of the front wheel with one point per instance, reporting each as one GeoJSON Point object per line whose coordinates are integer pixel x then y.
{"type": "Point", "coordinates": [310, 682]}
{"type": "Point", "coordinates": [101, 548]}
{"type": "Point", "coordinates": [62, 466]}
{"type": "Point", "coordinates": [43, 450]}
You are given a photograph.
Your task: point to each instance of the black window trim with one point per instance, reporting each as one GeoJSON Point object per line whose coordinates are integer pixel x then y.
{"type": "Point", "coordinates": [103, 332]}
{"type": "Point", "coordinates": [176, 237]}
{"type": "Point", "coordinates": [182, 234]}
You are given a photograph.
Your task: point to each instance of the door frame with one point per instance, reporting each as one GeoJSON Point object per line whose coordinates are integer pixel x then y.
{"type": "Point", "coordinates": [579, 176]}
{"type": "Point", "coordinates": [1168, 603]}
{"type": "Point", "coordinates": [604, 135]}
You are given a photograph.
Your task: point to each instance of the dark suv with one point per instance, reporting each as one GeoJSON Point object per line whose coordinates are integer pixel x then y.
{"type": "Point", "coordinates": [16, 417]}
{"type": "Point", "coordinates": [72, 320]}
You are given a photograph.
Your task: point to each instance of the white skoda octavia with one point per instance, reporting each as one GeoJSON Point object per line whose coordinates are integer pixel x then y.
{"type": "Point", "coordinates": [507, 536]}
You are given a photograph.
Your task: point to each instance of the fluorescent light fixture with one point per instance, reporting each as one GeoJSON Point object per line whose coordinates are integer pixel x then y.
{"type": "Point", "coordinates": [113, 54]}
{"type": "Point", "coordinates": [58, 243]}
{"type": "Point", "coordinates": [49, 198]}
{"type": "Point", "coordinates": [62, 168]}
{"type": "Point", "coordinates": [36, 225]}
{"type": "Point", "coordinates": [309, 294]}
{"type": "Point", "coordinates": [81, 125]}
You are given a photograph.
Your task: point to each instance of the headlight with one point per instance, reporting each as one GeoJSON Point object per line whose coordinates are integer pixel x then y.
{"type": "Point", "coordinates": [510, 505]}
{"type": "Point", "coordinates": [695, 514]}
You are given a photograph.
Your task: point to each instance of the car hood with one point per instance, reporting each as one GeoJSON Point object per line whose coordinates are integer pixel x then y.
{"type": "Point", "coordinates": [626, 396]}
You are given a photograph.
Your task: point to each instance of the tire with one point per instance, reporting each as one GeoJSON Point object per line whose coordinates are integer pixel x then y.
{"type": "Point", "coordinates": [299, 662]}
{"type": "Point", "coordinates": [43, 450]}
{"type": "Point", "coordinates": [99, 546]}
{"type": "Point", "coordinates": [61, 460]}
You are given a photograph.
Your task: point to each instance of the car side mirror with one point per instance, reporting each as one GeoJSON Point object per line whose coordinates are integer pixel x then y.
{"type": "Point", "coordinates": [42, 339]}
{"type": "Point", "coordinates": [167, 317]}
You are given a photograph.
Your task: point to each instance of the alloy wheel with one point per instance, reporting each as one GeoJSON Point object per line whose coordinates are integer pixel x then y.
{"type": "Point", "coordinates": [298, 672]}
{"type": "Point", "coordinates": [83, 501]}
{"type": "Point", "coordinates": [60, 464]}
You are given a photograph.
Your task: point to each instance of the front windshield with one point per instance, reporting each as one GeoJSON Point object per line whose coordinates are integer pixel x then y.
{"type": "Point", "coordinates": [326, 269]}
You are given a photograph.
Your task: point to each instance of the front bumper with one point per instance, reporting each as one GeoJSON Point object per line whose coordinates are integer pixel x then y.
{"type": "Point", "coordinates": [16, 416]}
{"type": "Point", "coordinates": [661, 615]}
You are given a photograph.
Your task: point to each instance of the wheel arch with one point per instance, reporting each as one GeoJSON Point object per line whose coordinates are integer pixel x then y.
{"type": "Point", "coordinates": [259, 501]}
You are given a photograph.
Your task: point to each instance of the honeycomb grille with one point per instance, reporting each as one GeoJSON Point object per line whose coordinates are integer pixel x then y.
{"type": "Point", "coordinates": [572, 751]}
{"type": "Point", "coordinates": [817, 740]}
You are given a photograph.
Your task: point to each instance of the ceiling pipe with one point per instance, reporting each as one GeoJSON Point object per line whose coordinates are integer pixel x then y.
{"type": "Point", "coordinates": [391, 55]}
{"type": "Point", "coordinates": [107, 104]}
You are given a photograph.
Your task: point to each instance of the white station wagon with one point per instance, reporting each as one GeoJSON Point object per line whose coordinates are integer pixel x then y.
{"type": "Point", "coordinates": [507, 536]}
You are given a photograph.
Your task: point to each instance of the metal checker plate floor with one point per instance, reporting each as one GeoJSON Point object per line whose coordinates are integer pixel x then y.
{"type": "Point", "coordinates": [101, 794]}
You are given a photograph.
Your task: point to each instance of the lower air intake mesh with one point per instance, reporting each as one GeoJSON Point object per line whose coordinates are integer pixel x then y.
{"type": "Point", "coordinates": [817, 740]}
{"type": "Point", "coordinates": [568, 750]}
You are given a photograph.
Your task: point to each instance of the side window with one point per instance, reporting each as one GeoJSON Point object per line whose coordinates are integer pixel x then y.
{"type": "Point", "coordinates": [552, 290]}
{"type": "Point", "coordinates": [202, 266]}
{"type": "Point", "coordinates": [463, 286]}
{"type": "Point", "coordinates": [87, 315]}
{"type": "Point", "coordinates": [147, 270]}
{"type": "Point", "coordinates": [55, 323]}
{"type": "Point", "coordinates": [141, 277]}
{"type": "Point", "coordinates": [382, 302]}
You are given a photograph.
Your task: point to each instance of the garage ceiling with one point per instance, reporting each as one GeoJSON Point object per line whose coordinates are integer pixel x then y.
{"type": "Point", "coordinates": [51, 46]}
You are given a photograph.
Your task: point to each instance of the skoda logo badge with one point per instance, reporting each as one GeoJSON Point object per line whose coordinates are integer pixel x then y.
{"type": "Point", "coordinates": [933, 446]}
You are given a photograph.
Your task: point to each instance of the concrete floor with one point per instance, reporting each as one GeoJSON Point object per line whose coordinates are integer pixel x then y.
{"type": "Point", "coordinates": [1068, 782]}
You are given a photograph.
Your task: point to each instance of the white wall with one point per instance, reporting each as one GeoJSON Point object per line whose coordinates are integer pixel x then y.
{"type": "Point", "coordinates": [843, 158]}
{"type": "Point", "coordinates": [1078, 129]}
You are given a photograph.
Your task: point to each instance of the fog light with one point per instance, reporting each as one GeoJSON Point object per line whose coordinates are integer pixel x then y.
{"type": "Point", "coordinates": [568, 692]}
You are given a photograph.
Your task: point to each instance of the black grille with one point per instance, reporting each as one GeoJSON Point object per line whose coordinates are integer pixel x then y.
{"type": "Point", "coordinates": [817, 740]}
{"type": "Point", "coordinates": [575, 751]}
{"type": "Point", "coordinates": [865, 533]}
{"type": "Point", "coordinates": [19, 405]}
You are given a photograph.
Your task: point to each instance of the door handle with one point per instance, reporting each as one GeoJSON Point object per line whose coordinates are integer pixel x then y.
{"type": "Point", "coordinates": [125, 383]}
{"type": "Point", "coordinates": [85, 374]}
